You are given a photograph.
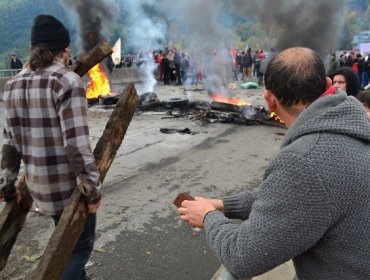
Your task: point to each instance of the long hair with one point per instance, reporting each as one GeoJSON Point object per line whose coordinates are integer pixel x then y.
{"type": "Point", "coordinates": [41, 56]}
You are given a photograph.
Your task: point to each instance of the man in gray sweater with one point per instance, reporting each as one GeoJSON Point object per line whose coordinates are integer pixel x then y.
{"type": "Point", "coordinates": [313, 205]}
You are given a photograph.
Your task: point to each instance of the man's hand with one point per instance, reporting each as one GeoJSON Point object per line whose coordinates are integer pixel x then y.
{"type": "Point", "coordinates": [92, 208]}
{"type": "Point", "coordinates": [18, 197]}
{"type": "Point", "coordinates": [193, 211]}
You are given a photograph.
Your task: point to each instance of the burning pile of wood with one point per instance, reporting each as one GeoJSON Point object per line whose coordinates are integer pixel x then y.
{"type": "Point", "coordinates": [211, 111]}
{"type": "Point", "coordinates": [201, 110]}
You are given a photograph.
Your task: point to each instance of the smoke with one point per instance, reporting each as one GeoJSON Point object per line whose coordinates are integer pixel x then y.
{"type": "Point", "coordinates": [94, 20]}
{"type": "Point", "coordinates": [206, 30]}
{"type": "Point", "coordinates": [146, 33]}
{"type": "Point", "coordinates": [314, 24]}
{"type": "Point", "coordinates": [192, 25]}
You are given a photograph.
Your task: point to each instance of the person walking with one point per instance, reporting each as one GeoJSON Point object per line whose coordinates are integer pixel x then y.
{"type": "Point", "coordinates": [46, 127]}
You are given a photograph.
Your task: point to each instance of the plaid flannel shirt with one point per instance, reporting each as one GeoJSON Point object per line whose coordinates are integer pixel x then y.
{"type": "Point", "coordinates": [46, 126]}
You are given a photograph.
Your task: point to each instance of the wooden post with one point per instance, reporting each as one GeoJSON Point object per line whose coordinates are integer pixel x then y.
{"type": "Point", "coordinates": [71, 224]}
{"type": "Point", "coordinates": [14, 214]}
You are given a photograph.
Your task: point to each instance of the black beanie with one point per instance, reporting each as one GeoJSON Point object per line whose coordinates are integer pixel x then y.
{"type": "Point", "coordinates": [48, 30]}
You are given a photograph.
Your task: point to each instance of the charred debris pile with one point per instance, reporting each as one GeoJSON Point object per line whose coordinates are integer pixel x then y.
{"type": "Point", "coordinates": [203, 111]}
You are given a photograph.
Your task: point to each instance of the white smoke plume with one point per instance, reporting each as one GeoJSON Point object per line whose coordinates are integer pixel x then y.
{"type": "Point", "coordinates": [147, 34]}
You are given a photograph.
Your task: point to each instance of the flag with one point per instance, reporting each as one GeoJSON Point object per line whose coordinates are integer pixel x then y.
{"type": "Point", "coordinates": [116, 55]}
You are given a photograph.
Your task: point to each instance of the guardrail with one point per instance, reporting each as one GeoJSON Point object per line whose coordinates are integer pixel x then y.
{"type": "Point", "coordinates": [9, 73]}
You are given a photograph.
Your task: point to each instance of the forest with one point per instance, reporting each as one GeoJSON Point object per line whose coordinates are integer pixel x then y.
{"type": "Point", "coordinates": [17, 16]}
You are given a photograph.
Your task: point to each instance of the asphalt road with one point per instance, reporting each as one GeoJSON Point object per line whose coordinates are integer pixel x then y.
{"type": "Point", "coordinates": [139, 235]}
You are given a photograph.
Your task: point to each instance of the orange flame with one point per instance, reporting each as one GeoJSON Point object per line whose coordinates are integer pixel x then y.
{"type": "Point", "coordinates": [231, 100]}
{"type": "Point", "coordinates": [275, 117]}
{"type": "Point", "coordinates": [99, 83]}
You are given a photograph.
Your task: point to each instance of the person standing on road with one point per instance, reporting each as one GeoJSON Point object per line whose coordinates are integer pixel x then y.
{"type": "Point", "coordinates": [313, 205]}
{"type": "Point", "coordinates": [16, 64]}
{"type": "Point", "coordinates": [247, 61]}
{"type": "Point", "coordinates": [346, 79]}
{"type": "Point", "coordinates": [46, 127]}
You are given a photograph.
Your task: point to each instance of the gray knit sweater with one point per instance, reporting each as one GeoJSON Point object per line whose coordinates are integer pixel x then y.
{"type": "Point", "coordinates": [313, 205]}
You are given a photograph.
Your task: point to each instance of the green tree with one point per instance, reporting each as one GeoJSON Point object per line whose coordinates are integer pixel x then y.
{"type": "Point", "coordinates": [365, 20]}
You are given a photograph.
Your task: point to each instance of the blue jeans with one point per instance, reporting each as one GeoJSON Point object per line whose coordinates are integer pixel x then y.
{"type": "Point", "coordinates": [81, 253]}
{"type": "Point", "coordinates": [365, 79]}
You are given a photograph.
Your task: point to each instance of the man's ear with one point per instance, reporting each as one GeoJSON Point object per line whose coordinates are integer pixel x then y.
{"type": "Point", "coordinates": [329, 82]}
{"type": "Point", "coordinates": [270, 100]}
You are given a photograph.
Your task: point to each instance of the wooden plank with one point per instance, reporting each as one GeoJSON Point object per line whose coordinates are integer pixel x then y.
{"type": "Point", "coordinates": [93, 57]}
{"type": "Point", "coordinates": [12, 219]}
{"type": "Point", "coordinates": [72, 221]}
{"type": "Point", "coordinates": [13, 216]}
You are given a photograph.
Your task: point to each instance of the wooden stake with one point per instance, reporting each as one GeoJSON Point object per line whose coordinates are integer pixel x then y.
{"type": "Point", "coordinates": [13, 216]}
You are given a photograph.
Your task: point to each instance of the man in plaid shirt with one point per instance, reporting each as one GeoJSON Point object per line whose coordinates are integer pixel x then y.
{"type": "Point", "coordinates": [46, 127]}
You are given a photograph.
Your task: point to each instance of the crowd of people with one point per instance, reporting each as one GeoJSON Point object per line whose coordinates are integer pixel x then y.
{"type": "Point", "coordinates": [175, 67]}
{"type": "Point", "coordinates": [356, 61]}
{"type": "Point", "coordinates": [248, 64]}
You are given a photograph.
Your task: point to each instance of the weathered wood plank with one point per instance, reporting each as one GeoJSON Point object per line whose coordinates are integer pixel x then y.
{"type": "Point", "coordinates": [13, 216]}
{"type": "Point", "coordinates": [72, 221]}
{"type": "Point", "coordinates": [12, 219]}
{"type": "Point", "coordinates": [93, 57]}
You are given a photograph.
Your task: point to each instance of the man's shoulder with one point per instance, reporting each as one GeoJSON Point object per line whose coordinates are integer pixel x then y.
{"type": "Point", "coordinates": [61, 72]}
{"type": "Point", "coordinates": [302, 145]}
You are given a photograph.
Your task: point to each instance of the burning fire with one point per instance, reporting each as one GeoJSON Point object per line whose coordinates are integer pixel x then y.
{"type": "Point", "coordinates": [232, 100]}
{"type": "Point", "coordinates": [99, 83]}
{"type": "Point", "coordinates": [275, 117]}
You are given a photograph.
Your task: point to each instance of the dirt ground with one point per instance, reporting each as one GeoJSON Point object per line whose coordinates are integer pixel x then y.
{"type": "Point", "coordinates": [139, 235]}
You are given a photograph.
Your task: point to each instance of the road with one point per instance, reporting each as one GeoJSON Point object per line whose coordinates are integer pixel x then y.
{"type": "Point", "coordinates": [139, 235]}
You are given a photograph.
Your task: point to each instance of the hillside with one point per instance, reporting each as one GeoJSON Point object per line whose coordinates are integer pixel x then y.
{"type": "Point", "coordinates": [17, 16]}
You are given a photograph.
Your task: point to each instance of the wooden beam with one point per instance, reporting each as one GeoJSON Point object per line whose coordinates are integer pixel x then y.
{"type": "Point", "coordinates": [13, 216]}
{"type": "Point", "coordinates": [12, 219]}
{"type": "Point", "coordinates": [93, 57]}
{"type": "Point", "coordinates": [71, 224]}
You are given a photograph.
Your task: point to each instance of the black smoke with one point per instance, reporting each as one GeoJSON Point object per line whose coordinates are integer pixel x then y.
{"type": "Point", "coordinates": [315, 24]}
{"type": "Point", "coordinates": [94, 19]}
